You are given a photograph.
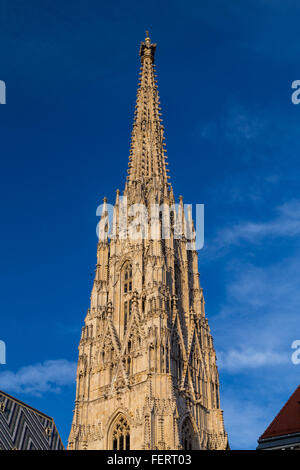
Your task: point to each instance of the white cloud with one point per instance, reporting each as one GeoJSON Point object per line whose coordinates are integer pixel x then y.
{"type": "Point", "coordinates": [254, 330]}
{"type": "Point", "coordinates": [236, 124]}
{"type": "Point", "coordinates": [39, 378]}
{"type": "Point", "coordinates": [244, 420]}
{"type": "Point", "coordinates": [260, 311]}
{"type": "Point", "coordinates": [241, 125]}
{"type": "Point", "coordinates": [235, 360]}
{"type": "Point", "coordinates": [286, 223]}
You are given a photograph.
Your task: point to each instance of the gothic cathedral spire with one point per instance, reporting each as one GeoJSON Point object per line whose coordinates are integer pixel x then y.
{"type": "Point", "coordinates": [147, 375]}
{"type": "Point", "coordinates": [147, 160]}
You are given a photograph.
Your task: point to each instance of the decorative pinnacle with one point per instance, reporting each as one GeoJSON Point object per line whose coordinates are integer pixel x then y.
{"type": "Point", "coordinates": [117, 196]}
{"type": "Point", "coordinates": [104, 208]}
{"type": "Point", "coordinates": [147, 49]}
{"type": "Point", "coordinates": [147, 39]}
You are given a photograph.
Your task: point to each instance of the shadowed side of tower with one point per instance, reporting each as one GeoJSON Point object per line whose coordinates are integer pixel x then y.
{"type": "Point", "coordinates": [147, 375]}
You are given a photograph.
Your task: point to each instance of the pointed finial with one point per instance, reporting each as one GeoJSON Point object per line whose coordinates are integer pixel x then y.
{"type": "Point", "coordinates": [147, 38]}
{"type": "Point", "coordinates": [117, 196]}
{"type": "Point", "coordinates": [104, 208]}
{"type": "Point", "coordinates": [147, 49]}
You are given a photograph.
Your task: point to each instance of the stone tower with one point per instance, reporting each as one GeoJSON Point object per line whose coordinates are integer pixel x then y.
{"type": "Point", "coordinates": [147, 375]}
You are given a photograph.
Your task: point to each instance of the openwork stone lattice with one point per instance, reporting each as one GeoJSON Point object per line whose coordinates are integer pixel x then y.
{"type": "Point", "coordinates": [187, 435]}
{"type": "Point", "coordinates": [146, 356]}
{"type": "Point", "coordinates": [121, 435]}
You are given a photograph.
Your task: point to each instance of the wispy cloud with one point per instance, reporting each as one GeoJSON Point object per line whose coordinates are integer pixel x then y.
{"type": "Point", "coordinates": [235, 360]}
{"type": "Point", "coordinates": [262, 306]}
{"type": "Point", "coordinates": [237, 125]}
{"type": "Point", "coordinates": [253, 334]}
{"type": "Point", "coordinates": [241, 125]}
{"type": "Point", "coordinates": [244, 420]}
{"type": "Point", "coordinates": [286, 223]}
{"type": "Point", "coordinates": [37, 379]}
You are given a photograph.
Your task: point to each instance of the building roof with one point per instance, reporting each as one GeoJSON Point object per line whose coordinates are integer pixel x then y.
{"type": "Point", "coordinates": [24, 428]}
{"type": "Point", "coordinates": [288, 419]}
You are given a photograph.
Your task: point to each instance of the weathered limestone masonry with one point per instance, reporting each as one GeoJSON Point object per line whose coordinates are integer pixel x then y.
{"type": "Point", "coordinates": [147, 375]}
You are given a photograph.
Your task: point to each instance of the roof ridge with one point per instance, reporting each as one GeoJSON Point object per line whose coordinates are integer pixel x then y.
{"type": "Point", "coordinates": [282, 418]}
{"type": "Point", "coordinates": [20, 402]}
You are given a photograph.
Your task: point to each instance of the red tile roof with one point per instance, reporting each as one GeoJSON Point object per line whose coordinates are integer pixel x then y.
{"type": "Point", "coordinates": [288, 419]}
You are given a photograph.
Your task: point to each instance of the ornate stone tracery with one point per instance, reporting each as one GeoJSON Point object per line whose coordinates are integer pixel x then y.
{"type": "Point", "coordinates": [120, 434]}
{"type": "Point", "coordinates": [147, 375]}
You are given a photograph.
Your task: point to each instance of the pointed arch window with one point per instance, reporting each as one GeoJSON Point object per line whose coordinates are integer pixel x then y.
{"type": "Point", "coordinates": [126, 290]}
{"type": "Point", "coordinates": [121, 434]}
{"type": "Point", "coordinates": [187, 435]}
{"type": "Point", "coordinates": [127, 313]}
{"type": "Point", "coordinates": [127, 278]}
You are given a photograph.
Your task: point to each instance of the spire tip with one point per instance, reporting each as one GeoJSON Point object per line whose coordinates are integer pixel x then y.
{"type": "Point", "coordinates": [147, 38]}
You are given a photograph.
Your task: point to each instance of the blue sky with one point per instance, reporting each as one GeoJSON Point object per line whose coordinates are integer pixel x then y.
{"type": "Point", "coordinates": [225, 70]}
